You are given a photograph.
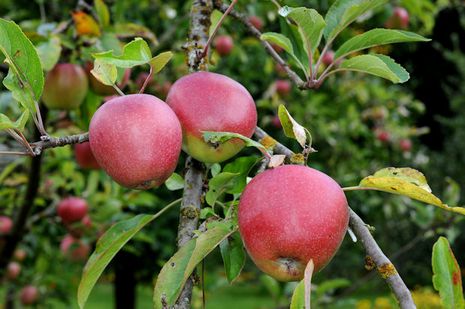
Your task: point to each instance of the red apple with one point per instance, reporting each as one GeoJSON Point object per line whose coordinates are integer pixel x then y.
{"type": "Point", "coordinates": [383, 136]}
{"type": "Point", "coordinates": [6, 224]}
{"type": "Point", "coordinates": [205, 101]}
{"type": "Point", "coordinates": [20, 255]}
{"type": "Point", "coordinates": [399, 19]}
{"type": "Point", "coordinates": [29, 295]}
{"type": "Point", "coordinates": [12, 270]}
{"type": "Point", "coordinates": [136, 139]}
{"type": "Point", "coordinates": [405, 145]}
{"type": "Point", "coordinates": [74, 248]}
{"type": "Point", "coordinates": [72, 209]}
{"type": "Point", "coordinates": [84, 156]}
{"type": "Point", "coordinates": [257, 22]}
{"type": "Point", "coordinates": [65, 87]}
{"type": "Point", "coordinates": [328, 57]}
{"type": "Point", "coordinates": [102, 89]}
{"type": "Point", "coordinates": [289, 215]}
{"type": "Point", "coordinates": [283, 87]}
{"type": "Point", "coordinates": [224, 45]}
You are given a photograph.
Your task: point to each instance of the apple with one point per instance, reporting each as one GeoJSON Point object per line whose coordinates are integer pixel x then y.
{"type": "Point", "coordinates": [224, 45]}
{"type": "Point", "coordinates": [29, 295]}
{"type": "Point", "coordinates": [276, 122]}
{"type": "Point", "coordinates": [65, 87]}
{"type": "Point", "coordinates": [84, 157]}
{"type": "Point", "coordinates": [405, 144]}
{"type": "Point", "coordinates": [205, 101]}
{"type": "Point", "coordinates": [399, 19]}
{"type": "Point", "coordinates": [102, 89]}
{"type": "Point", "coordinates": [136, 139]}
{"type": "Point", "coordinates": [20, 255]}
{"type": "Point", "coordinates": [72, 209]}
{"type": "Point", "coordinates": [6, 224]}
{"type": "Point", "coordinates": [328, 57]}
{"type": "Point", "coordinates": [383, 136]}
{"type": "Point", "coordinates": [74, 248]}
{"type": "Point", "coordinates": [12, 270]}
{"type": "Point", "coordinates": [289, 215]}
{"type": "Point", "coordinates": [283, 87]}
{"type": "Point", "coordinates": [257, 22]}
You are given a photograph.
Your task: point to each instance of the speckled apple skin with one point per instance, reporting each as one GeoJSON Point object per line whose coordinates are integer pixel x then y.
{"type": "Point", "coordinates": [72, 209]}
{"type": "Point", "coordinates": [205, 101]}
{"type": "Point", "coordinates": [84, 156]}
{"type": "Point", "coordinates": [289, 215]}
{"type": "Point", "coordinates": [66, 86]}
{"type": "Point", "coordinates": [136, 139]}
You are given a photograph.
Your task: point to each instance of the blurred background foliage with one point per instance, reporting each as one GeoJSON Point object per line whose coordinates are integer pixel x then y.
{"type": "Point", "coordinates": [347, 117]}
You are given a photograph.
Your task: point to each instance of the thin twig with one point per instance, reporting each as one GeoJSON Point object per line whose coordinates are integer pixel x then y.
{"type": "Point", "coordinates": [147, 80]}
{"type": "Point", "coordinates": [52, 142]}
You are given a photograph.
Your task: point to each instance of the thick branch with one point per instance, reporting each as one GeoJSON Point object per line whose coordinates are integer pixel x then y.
{"type": "Point", "coordinates": [52, 142]}
{"type": "Point", "coordinates": [255, 32]}
{"type": "Point", "coordinates": [374, 252]}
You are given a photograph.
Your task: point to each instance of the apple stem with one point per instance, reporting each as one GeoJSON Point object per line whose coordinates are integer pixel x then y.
{"type": "Point", "coordinates": [357, 188]}
{"type": "Point", "coordinates": [147, 80]}
{"type": "Point", "coordinates": [217, 27]}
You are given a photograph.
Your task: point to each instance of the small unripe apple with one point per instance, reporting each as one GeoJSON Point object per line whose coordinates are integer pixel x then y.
{"type": "Point", "coordinates": [328, 57]}
{"type": "Point", "coordinates": [136, 139]}
{"type": "Point", "coordinates": [84, 156]}
{"type": "Point", "coordinates": [399, 19]}
{"type": "Point", "coordinates": [29, 295]}
{"type": "Point", "coordinates": [224, 45]}
{"type": "Point", "coordinates": [12, 270]}
{"type": "Point", "coordinates": [405, 144]}
{"type": "Point", "coordinates": [102, 89]}
{"type": "Point", "coordinates": [6, 224]}
{"type": "Point", "coordinates": [205, 101]}
{"type": "Point", "coordinates": [20, 255]}
{"type": "Point", "coordinates": [72, 209]}
{"type": "Point", "coordinates": [74, 248]}
{"type": "Point", "coordinates": [65, 87]}
{"type": "Point", "coordinates": [289, 215]}
{"type": "Point", "coordinates": [283, 87]}
{"type": "Point", "coordinates": [383, 136]}
{"type": "Point", "coordinates": [257, 22]}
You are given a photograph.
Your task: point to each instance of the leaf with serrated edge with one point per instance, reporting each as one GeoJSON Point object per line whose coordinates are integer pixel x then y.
{"type": "Point", "coordinates": [136, 52]}
{"type": "Point", "coordinates": [49, 52]}
{"type": "Point", "coordinates": [104, 72]}
{"type": "Point", "coordinates": [158, 62]}
{"type": "Point", "coordinates": [447, 279]}
{"type": "Point", "coordinates": [293, 129]}
{"type": "Point", "coordinates": [233, 254]}
{"type": "Point", "coordinates": [407, 182]}
{"type": "Point", "coordinates": [180, 266]}
{"type": "Point", "coordinates": [376, 37]}
{"type": "Point", "coordinates": [218, 185]}
{"type": "Point", "coordinates": [378, 65]}
{"type": "Point", "coordinates": [222, 137]}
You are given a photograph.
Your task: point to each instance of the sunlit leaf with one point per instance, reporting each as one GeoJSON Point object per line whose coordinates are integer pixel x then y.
{"type": "Point", "coordinates": [85, 24]}
{"type": "Point", "coordinates": [293, 129]}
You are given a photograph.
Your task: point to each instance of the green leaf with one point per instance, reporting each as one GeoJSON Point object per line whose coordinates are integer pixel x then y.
{"type": "Point", "coordinates": [25, 77]}
{"type": "Point", "coordinates": [408, 182]}
{"type": "Point", "coordinates": [135, 30]}
{"type": "Point", "coordinates": [105, 72]}
{"type": "Point", "coordinates": [108, 246]}
{"type": "Point", "coordinates": [6, 123]}
{"type": "Point", "coordinates": [49, 52]}
{"type": "Point", "coordinates": [158, 62]}
{"type": "Point", "coordinates": [343, 12]}
{"type": "Point", "coordinates": [298, 297]}
{"type": "Point", "coordinates": [222, 137]}
{"type": "Point", "coordinates": [102, 13]}
{"type": "Point", "coordinates": [136, 52]}
{"type": "Point", "coordinates": [243, 166]}
{"type": "Point", "coordinates": [280, 40]}
{"type": "Point", "coordinates": [233, 254]}
{"type": "Point", "coordinates": [180, 266]}
{"type": "Point", "coordinates": [219, 185]}
{"type": "Point", "coordinates": [377, 37]}
{"type": "Point", "coordinates": [329, 285]}
{"type": "Point", "coordinates": [175, 182]}
{"type": "Point", "coordinates": [292, 129]}
{"type": "Point", "coordinates": [378, 65]}
{"type": "Point", "coordinates": [310, 25]}
{"type": "Point", "coordinates": [447, 279]}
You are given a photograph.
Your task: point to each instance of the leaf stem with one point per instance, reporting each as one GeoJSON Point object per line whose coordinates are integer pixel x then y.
{"type": "Point", "coordinates": [121, 93]}
{"type": "Point", "coordinates": [147, 80]}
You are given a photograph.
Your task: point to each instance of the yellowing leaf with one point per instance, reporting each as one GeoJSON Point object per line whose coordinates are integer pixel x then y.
{"type": "Point", "coordinates": [85, 24]}
{"type": "Point", "coordinates": [408, 182]}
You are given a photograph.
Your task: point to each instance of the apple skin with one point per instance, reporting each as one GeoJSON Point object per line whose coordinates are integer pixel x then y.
{"type": "Point", "coordinates": [74, 248]}
{"type": "Point", "coordinates": [84, 157]}
{"type": "Point", "coordinates": [205, 101]}
{"type": "Point", "coordinates": [66, 86]}
{"type": "Point", "coordinates": [13, 270]}
{"type": "Point", "coordinates": [289, 215]}
{"type": "Point", "coordinates": [399, 19]}
{"type": "Point", "coordinates": [283, 87]}
{"type": "Point", "coordinates": [72, 209]}
{"type": "Point", "coordinates": [257, 22]}
{"type": "Point", "coordinates": [6, 224]}
{"type": "Point", "coordinates": [136, 139]}
{"type": "Point", "coordinates": [328, 58]}
{"type": "Point", "coordinates": [383, 136]}
{"type": "Point", "coordinates": [224, 45]}
{"type": "Point", "coordinates": [29, 295]}
{"type": "Point", "coordinates": [405, 145]}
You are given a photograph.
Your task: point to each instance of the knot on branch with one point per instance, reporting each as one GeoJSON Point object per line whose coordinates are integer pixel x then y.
{"type": "Point", "coordinates": [298, 158]}
{"type": "Point", "coordinates": [268, 142]}
{"type": "Point", "coordinates": [387, 270]}
{"type": "Point", "coordinates": [190, 212]}
{"type": "Point", "coordinates": [369, 263]}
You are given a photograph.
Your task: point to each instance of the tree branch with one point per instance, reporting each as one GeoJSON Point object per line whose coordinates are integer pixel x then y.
{"type": "Point", "coordinates": [52, 142]}
{"type": "Point", "coordinates": [374, 253]}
